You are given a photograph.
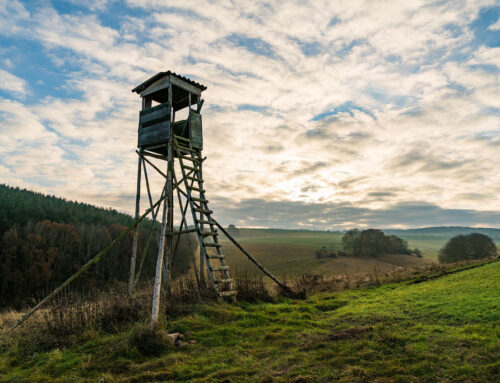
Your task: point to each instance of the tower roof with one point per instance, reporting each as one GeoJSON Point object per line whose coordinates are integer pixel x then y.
{"type": "Point", "coordinates": [158, 76]}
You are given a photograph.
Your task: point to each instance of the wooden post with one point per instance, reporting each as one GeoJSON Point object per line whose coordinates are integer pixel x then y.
{"type": "Point", "coordinates": [202, 257]}
{"type": "Point", "coordinates": [152, 229]}
{"type": "Point", "coordinates": [170, 194]}
{"type": "Point", "coordinates": [131, 278]}
{"type": "Point", "coordinates": [159, 267]}
{"type": "Point", "coordinates": [167, 223]}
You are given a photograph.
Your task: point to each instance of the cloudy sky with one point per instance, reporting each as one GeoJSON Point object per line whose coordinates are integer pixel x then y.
{"type": "Point", "coordinates": [318, 114]}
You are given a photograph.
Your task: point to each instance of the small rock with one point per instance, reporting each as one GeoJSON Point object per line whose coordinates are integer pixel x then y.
{"type": "Point", "coordinates": [192, 341]}
{"type": "Point", "coordinates": [174, 337]}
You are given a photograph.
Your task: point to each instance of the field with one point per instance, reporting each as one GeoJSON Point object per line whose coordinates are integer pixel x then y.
{"type": "Point", "coordinates": [293, 252]}
{"type": "Point", "coordinates": [441, 329]}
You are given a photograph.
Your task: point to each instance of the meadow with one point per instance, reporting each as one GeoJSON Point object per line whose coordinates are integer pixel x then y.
{"type": "Point", "coordinates": [293, 252]}
{"type": "Point", "coordinates": [441, 327]}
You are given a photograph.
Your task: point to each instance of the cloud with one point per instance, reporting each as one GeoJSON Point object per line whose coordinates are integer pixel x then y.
{"type": "Point", "coordinates": [495, 26]}
{"type": "Point", "coordinates": [13, 84]}
{"type": "Point", "coordinates": [339, 216]}
{"type": "Point", "coordinates": [14, 17]}
{"type": "Point", "coordinates": [354, 108]}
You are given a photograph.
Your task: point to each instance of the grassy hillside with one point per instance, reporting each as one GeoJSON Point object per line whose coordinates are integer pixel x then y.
{"type": "Point", "coordinates": [442, 329]}
{"type": "Point", "coordinates": [292, 251]}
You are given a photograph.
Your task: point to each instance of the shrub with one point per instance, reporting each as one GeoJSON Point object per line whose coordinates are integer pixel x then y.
{"type": "Point", "coordinates": [467, 247]}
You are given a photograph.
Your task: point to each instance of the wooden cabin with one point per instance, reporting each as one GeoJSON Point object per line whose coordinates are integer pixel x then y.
{"type": "Point", "coordinates": [162, 96]}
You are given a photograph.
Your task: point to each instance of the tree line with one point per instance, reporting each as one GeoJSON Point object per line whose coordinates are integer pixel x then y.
{"type": "Point", "coordinates": [20, 206]}
{"type": "Point", "coordinates": [37, 256]}
{"type": "Point", "coordinates": [373, 242]}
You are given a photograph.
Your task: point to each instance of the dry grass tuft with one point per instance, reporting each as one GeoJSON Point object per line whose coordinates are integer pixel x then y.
{"type": "Point", "coordinates": [251, 288]}
{"type": "Point", "coordinates": [150, 341]}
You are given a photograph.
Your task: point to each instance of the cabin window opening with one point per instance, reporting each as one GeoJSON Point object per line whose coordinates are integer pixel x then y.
{"type": "Point", "coordinates": [181, 114]}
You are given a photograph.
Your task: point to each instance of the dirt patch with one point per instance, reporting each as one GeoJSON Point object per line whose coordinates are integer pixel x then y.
{"type": "Point", "coordinates": [350, 333]}
{"type": "Point", "coordinates": [317, 342]}
{"type": "Point", "coordinates": [330, 306]}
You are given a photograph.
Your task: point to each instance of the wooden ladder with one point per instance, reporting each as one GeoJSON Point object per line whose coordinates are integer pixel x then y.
{"type": "Point", "coordinates": [219, 273]}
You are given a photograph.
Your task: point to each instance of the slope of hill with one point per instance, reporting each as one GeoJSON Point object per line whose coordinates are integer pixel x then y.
{"type": "Point", "coordinates": [289, 251]}
{"type": "Point", "coordinates": [446, 230]}
{"type": "Point", "coordinates": [293, 252]}
{"type": "Point", "coordinates": [20, 206]}
{"type": "Point", "coordinates": [442, 329]}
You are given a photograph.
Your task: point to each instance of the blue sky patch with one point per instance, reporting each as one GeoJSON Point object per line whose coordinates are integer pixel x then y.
{"type": "Point", "coordinates": [311, 48]}
{"type": "Point", "coordinates": [346, 107]}
{"type": "Point", "coordinates": [254, 108]}
{"type": "Point", "coordinates": [251, 44]}
{"type": "Point", "coordinates": [480, 27]}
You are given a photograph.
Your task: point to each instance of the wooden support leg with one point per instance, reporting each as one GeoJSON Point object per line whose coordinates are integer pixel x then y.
{"type": "Point", "coordinates": [202, 257]}
{"type": "Point", "coordinates": [136, 231]}
{"type": "Point", "coordinates": [170, 214]}
{"type": "Point", "coordinates": [159, 266]}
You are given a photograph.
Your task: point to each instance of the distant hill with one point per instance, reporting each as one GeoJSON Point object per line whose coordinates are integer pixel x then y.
{"type": "Point", "coordinates": [19, 206]}
{"type": "Point", "coordinates": [446, 230]}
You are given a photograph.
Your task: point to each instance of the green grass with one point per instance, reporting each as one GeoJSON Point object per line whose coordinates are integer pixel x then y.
{"type": "Point", "coordinates": [444, 329]}
{"type": "Point", "coordinates": [314, 239]}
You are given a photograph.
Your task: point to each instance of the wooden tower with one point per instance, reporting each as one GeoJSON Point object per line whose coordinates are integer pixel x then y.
{"type": "Point", "coordinates": [179, 144]}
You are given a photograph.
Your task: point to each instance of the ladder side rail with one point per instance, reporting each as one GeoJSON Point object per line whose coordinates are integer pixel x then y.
{"type": "Point", "coordinates": [204, 205]}
{"type": "Point", "coordinates": [200, 238]}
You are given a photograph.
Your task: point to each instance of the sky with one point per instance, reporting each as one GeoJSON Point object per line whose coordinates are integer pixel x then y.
{"type": "Point", "coordinates": [318, 114]}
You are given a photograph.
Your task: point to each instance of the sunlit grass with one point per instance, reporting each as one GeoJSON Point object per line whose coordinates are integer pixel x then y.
{"type": "Point", "coordinates": [446, 329]}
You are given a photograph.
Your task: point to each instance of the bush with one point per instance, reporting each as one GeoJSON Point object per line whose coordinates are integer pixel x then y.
{"type": "Point", "coordinates": [467, 247]}
{"type": "Point", "coordinates": [373, 242]}
{"type": "Point", "coordinates": [416, 252]}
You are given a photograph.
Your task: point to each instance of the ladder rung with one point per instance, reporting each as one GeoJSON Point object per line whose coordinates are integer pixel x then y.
{"type": "Point", "coordinates": [185, 148]}
{"type": "Point", "coordinates": [199, 199]}
{"type": "Point", "coordinates": [226, 280]}
{"type": "Point", "coordinates": [219, 268]}
{"type": "Point", "coordinates": [190, 158]}
{"type": "Point", "coordinates": [227, 293]}
{"type": "Point", "coordinates": [212, 244]}
{"type": "Point", "coordinates": [216, 256]}
{"type": "Point", "coordinates": [191, 168]}
{"type": "Point", "coordinates": [208, 233]}
{"type": "Point", "coordinates": [193, 179]}
{"type": "Point", "coordinates": [203, 222]}
{"type": "Point", "coordinates": [182, 138]}
{"type": "Point", "coordinates": [196, 189]}
{"type": "Point", "coordinates": [204, 211]}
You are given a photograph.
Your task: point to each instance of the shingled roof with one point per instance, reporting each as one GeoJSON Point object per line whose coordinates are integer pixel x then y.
{"type": "Point", "coordinates": [145, 84]}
